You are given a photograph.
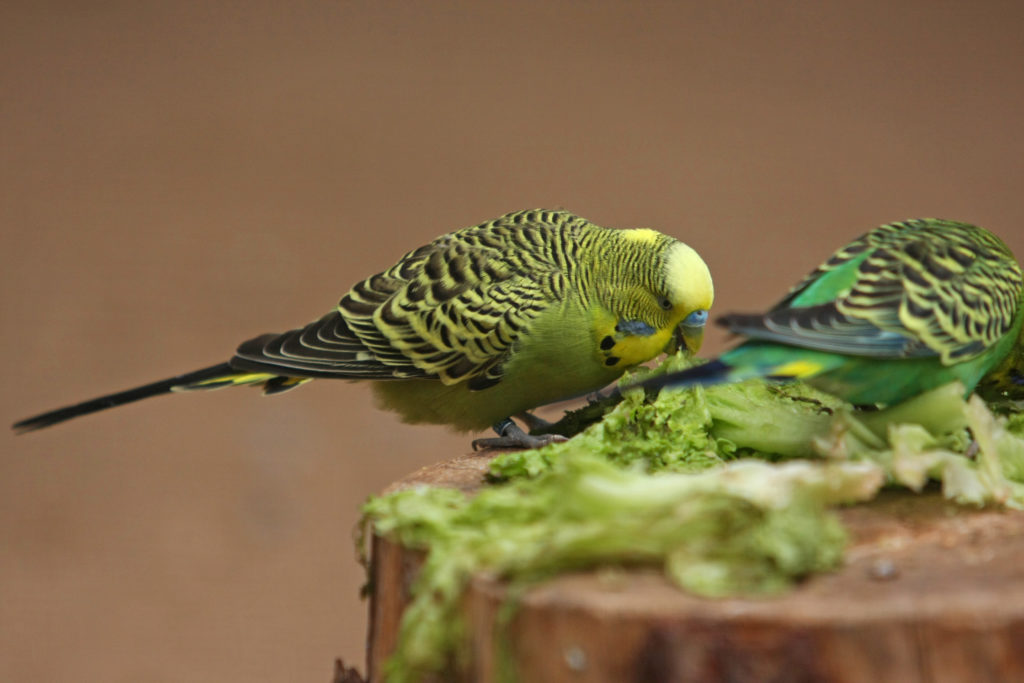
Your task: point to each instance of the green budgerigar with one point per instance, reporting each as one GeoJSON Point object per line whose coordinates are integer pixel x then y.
{"type": "Point", "coordinates": [905, 308]}
{"type": "Point", "coordinates": [481, 324]}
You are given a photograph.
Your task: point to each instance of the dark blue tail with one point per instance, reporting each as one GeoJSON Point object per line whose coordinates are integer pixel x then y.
{"type": "Point", "coordinates": [714, 372]}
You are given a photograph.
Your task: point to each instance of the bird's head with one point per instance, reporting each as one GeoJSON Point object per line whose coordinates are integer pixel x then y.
{"type": "Point", "coordinates": [688, 296]}
{"type": "Point", "coordinates": [660, 291]}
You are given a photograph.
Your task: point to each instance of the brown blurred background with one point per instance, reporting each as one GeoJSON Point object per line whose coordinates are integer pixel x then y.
{"type": "Point", "coordinates": [178, 178]}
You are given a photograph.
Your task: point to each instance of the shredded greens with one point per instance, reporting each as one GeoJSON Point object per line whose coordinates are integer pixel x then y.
{"type": "Point", "coordinates": [688, 430]}
{"type": "Point", "coordinates": [746, 527]}
{"type": "Point", "coordinates": [690, 481]}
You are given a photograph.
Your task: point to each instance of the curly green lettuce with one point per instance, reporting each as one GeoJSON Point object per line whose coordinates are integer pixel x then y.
{"type": "Point", "coordinates": [747, 527]}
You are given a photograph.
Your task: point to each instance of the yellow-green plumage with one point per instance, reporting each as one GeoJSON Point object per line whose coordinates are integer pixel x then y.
{"type": "Point", "coordinates": [483, 323]}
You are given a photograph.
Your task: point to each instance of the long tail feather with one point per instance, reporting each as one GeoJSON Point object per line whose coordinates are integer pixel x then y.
{"type": "Point", "coordinates": [714, 372]}
{"type": "Point", "coordinates": [120, 398]}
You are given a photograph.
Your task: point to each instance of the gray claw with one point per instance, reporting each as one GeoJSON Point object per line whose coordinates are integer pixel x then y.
{"type": "Point", "coordinates": [511, 435]}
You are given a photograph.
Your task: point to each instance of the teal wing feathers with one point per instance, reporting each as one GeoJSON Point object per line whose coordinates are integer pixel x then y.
{"type": "Point", "coordinates": [911, 289]}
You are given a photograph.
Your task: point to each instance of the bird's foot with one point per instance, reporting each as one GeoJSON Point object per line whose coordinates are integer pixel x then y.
{"type": "Point", "coordinates": [532, 422]}
{"type": "Point", "coordinates": [511, 435]}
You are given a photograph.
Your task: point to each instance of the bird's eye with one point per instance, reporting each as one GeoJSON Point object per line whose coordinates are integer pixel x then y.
{"type": "Point", "coordinates": [696, 319]}
{"type": "Point", "coordinates": [665, 303]}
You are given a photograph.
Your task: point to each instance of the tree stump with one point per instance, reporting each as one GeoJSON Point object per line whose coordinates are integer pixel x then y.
{"type": "Point", "coordinates": [929, 591]}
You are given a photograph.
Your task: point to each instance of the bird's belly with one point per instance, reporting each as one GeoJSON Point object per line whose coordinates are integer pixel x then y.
{"type": "Point", "coordinates": [889, 382]}
{"type": "Point", "coordinates": [432, 402]}
{"type": "Point", "coordinates": [553, 363]}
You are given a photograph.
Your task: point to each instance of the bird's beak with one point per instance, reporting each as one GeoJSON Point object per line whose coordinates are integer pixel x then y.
{"type": "Point", "coordinates": [690, 336]}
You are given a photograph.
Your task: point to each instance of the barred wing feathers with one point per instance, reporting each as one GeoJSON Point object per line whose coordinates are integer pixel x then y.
{"type": "Point", "coordinates": [450, 310]}
{"type": "Point", "coordinates": [916, 288]}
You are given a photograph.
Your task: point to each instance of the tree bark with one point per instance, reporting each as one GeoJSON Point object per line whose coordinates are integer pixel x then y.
{"type": "Point", "coordinates": [929, 591]}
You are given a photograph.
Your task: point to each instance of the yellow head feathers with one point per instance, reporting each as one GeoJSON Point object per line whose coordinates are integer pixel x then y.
{"type": "Point", "coordinates": [688, 279]}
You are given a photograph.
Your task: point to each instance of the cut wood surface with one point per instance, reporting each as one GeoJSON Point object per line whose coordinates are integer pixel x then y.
{"type": "Point", "coordinates": [929, 591]}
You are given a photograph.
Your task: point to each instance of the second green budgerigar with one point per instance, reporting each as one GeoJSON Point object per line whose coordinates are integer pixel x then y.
{"type": "Point", "coordinates": [907, 307]}
{"type": "Point", "coordinates": [481, 324]}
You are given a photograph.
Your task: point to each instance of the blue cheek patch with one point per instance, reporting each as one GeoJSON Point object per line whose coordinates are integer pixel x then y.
{"type": "Point", "coordinates": [635, 327]}
{"type": "Point", "coordinates": [696, 319]}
